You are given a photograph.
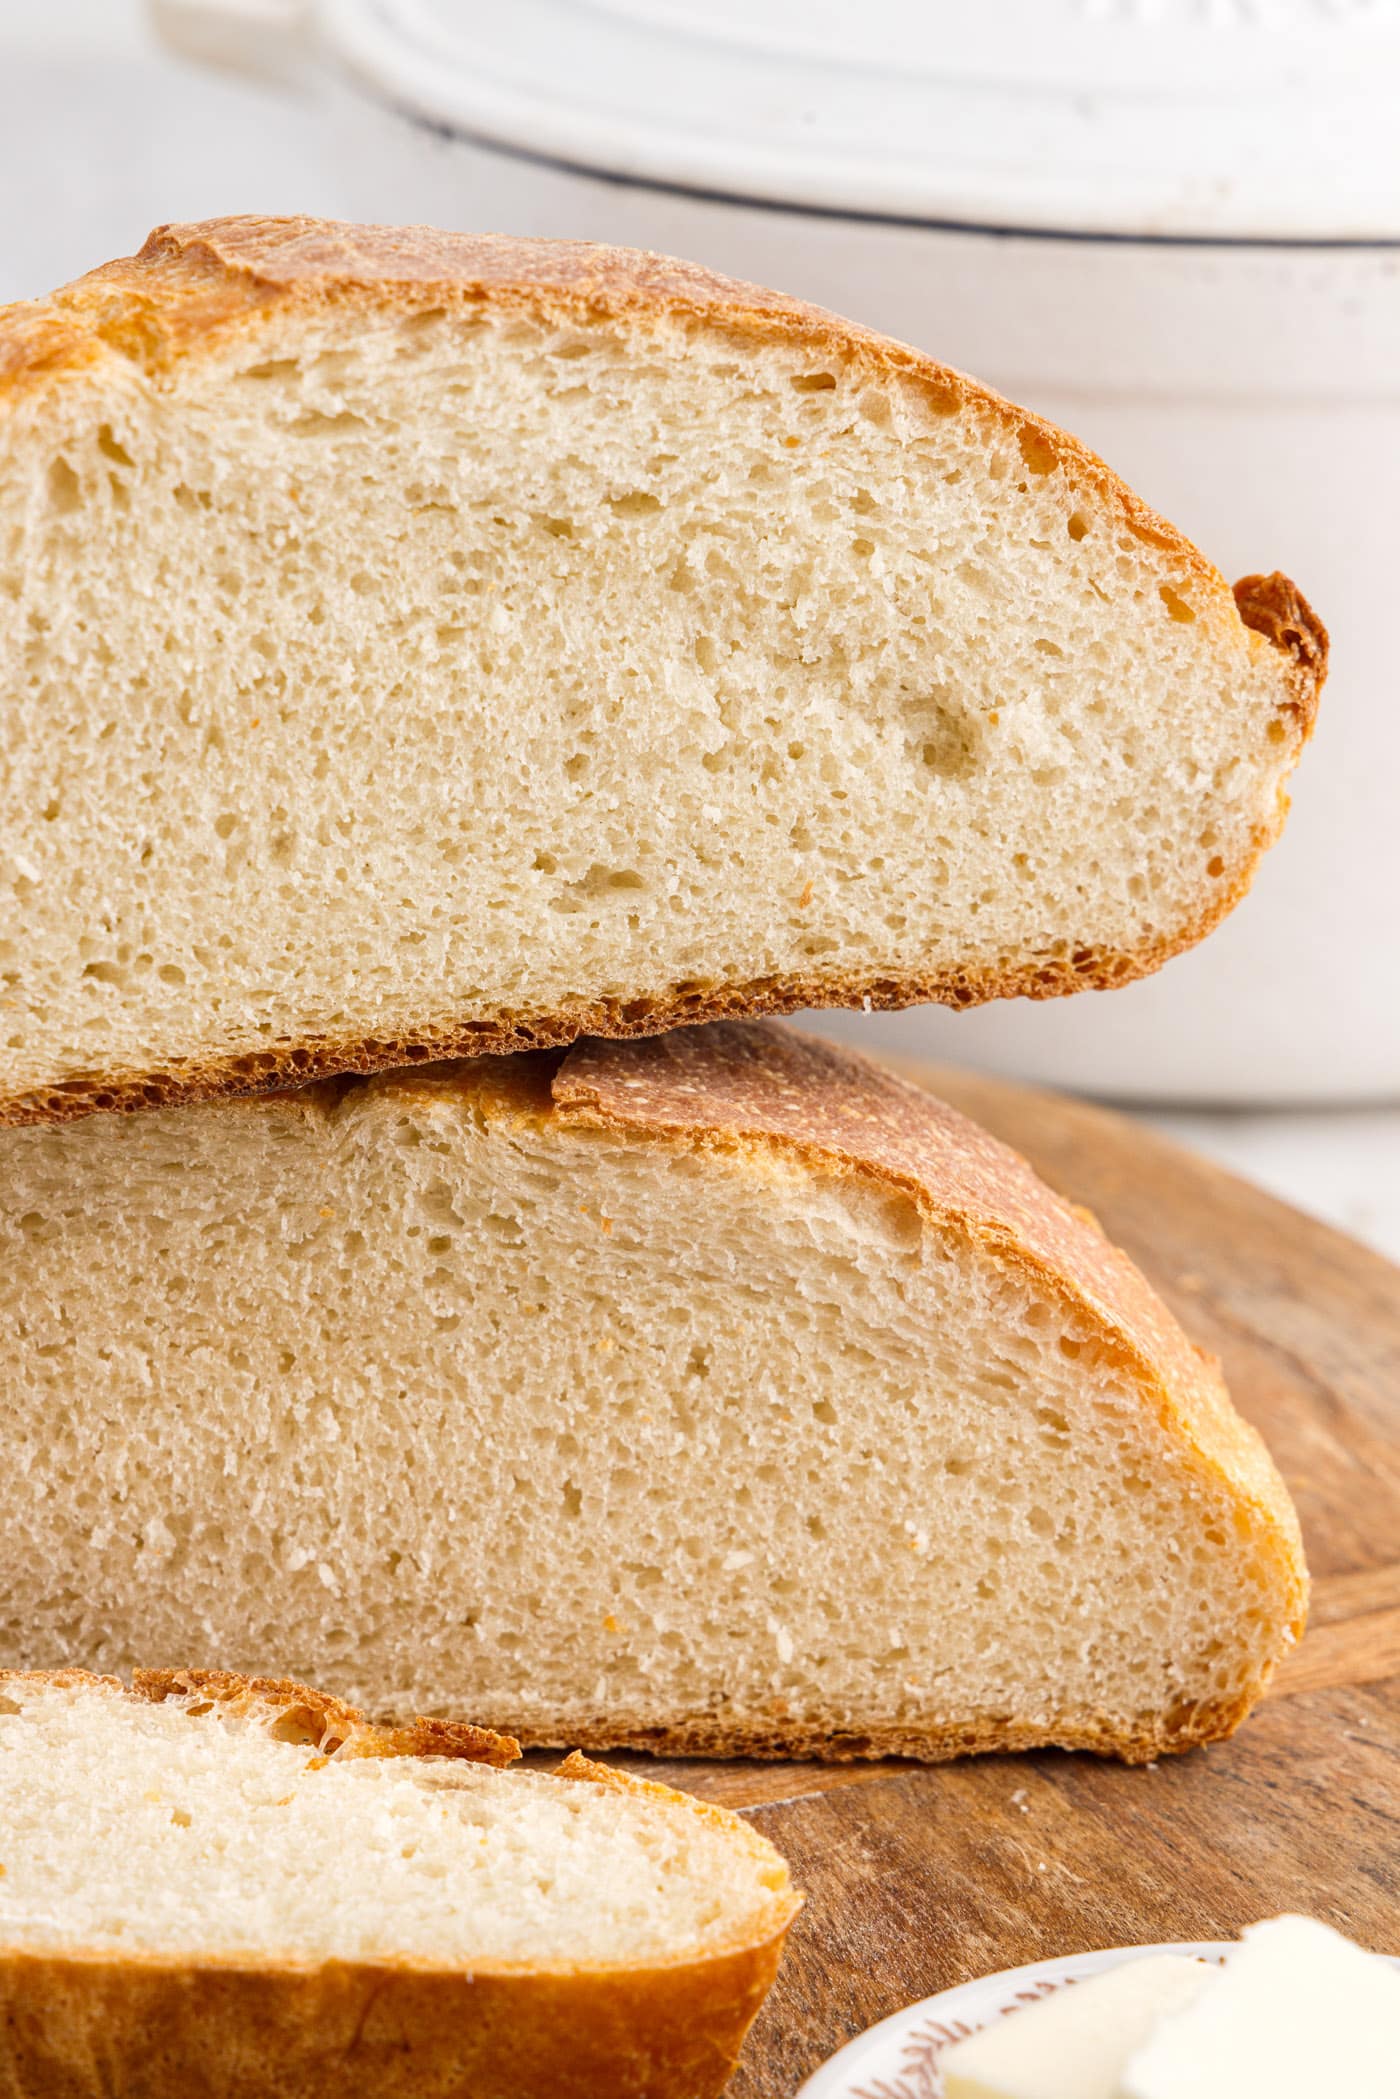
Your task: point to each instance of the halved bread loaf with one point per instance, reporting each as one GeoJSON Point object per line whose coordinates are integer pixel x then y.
{"type": "Point", "coordinates": [418, 644]}
{"type": "Point", "coordinates": [718, 1392]}
{"type": "Point", "coordinates": [239, 1888]}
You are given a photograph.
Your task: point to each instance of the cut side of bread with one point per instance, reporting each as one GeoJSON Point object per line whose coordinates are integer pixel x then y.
{"type": "Point", "coordinates": [240, 1887]}
{"type": "Point", "coordinates": [418, 645]}
{"type": "Point", "coordinates": [718, 1393]}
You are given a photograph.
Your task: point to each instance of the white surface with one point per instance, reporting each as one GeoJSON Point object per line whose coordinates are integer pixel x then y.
{"type": "Point", "coordinates": [1298, 2011]}
{"type": "Point", "coordinates": [900, 2058]}
{"type": "Point", "coordinates": [1168, 117]}
{"type": "Point", "coordinates": [1251, 394]}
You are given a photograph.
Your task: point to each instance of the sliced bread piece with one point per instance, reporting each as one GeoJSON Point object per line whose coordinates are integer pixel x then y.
{"type": "Point", "coordinates": [419, 644]}
{"type": "Point", "coordinates": [240, 1888]}
{"type": "Point", "coordinates": [720, 1393]}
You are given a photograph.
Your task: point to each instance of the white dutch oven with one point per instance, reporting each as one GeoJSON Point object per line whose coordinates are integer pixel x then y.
{"type": "Point", "coordinates": [1171, 225]}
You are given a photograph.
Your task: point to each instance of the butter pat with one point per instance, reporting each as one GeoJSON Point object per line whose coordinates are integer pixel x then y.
{"type": "Point", "coordinates": [1075, 2044]}
{"type": "Point", "coordinates": [1298, 2012]}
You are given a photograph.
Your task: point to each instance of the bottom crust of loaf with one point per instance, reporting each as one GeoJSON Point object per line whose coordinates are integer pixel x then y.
{"type": "Point", "coordinates": [1137, 1741]}
{"type": "Point", "coordinates": [276, 1066]}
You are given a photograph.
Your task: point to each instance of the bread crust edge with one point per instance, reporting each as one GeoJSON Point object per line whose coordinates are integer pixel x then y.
{"type": "Point", "coordinates": [273, 1068]}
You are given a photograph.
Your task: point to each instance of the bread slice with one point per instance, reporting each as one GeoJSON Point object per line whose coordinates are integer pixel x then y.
{"type": "Point", "coordinates": [421, 644]}
{"type": "Point", "coordinates": [716, 1393]}
{"type": "Point", "coordinates": [239, 1888]}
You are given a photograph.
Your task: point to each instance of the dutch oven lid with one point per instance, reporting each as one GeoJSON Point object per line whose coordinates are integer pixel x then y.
{"type": "Point", "coordinates": [1180, 119]}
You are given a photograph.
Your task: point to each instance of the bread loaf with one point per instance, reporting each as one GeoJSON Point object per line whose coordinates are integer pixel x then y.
{"type": "Point", "coordinates": [241, 1889]}
{"type": "Point", "coordinates": [418, 644]}
{"type": "Point", "coordinates": [715, 1393]}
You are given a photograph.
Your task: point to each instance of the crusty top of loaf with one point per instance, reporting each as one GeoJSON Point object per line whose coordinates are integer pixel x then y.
{"type": "Point", "coordinates": [756, 1088]}
{"type": "Point", "coordinates": [191, 286]}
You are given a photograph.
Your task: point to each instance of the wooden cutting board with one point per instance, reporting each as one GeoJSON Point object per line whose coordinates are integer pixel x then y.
{"type": "Point", "coordinates": [920, 1878]}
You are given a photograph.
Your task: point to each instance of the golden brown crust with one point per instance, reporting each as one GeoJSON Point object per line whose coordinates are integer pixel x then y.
{"type": "Point", "coordinates": [107, 2028]}
{"type": "Point", "coordinates": [337, 1729]}
{"type": "Point", "coordinates": [96, 2025]}
{"type": "Point", "coordinates": [1135, 1740]}
{"type": "Point", "coordinates": [1274, 606]}
{"type": "Point", "coordinates": [192, 287]}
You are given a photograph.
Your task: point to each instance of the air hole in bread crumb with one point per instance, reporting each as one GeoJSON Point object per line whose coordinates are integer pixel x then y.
{"type": "Point", "coordinates": [1215, 866]}
{"type": "Point", "coordinates": [814, 382]}
{"type": "Point", "coordinates": [1078, 526]}
{"type": "Point", "coordinates": [65, 490]}
{"type": "Point", "coordinates": [111, 447]}
{"type": "Point", "coordinates": [424, 323]}
{"type": "Point", "coordinates": [637, 503]}
{"type": "Point", "coordinates": [1176, 604]}
{"type": "Point", "coordinates": [1037, 451]}
{"type": "Point", "coordinates": [275, 368]}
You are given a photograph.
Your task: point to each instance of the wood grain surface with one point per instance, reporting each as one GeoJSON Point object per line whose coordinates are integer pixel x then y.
{"type": "Point", "coordinates": [920, 1878]}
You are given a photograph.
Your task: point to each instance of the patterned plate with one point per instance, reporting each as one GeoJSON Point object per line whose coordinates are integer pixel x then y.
{"type": "Point", "coordinates": [899, 2058]}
